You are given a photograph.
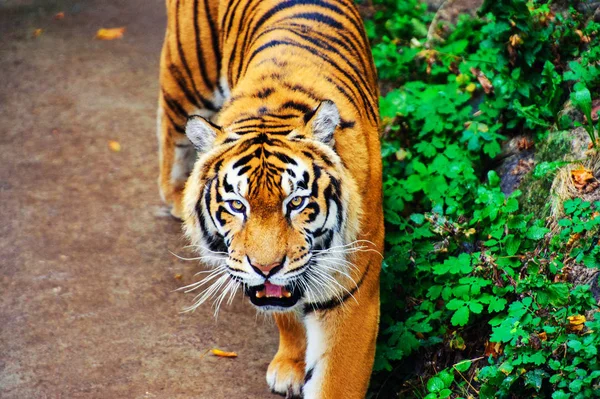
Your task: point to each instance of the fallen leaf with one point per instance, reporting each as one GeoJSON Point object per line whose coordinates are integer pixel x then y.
{"type": "Point", "coordinates": [220, 353]}
{"type": "Point", "coordinates": [470, 87]}
{"type": "Point", "coordinates": [59, 15]}
{"type": "Point", "coordinates": [543, 336]}
{"type": "Point", "coordinates": [576, 323]}
{"type": "Point", "coordinates": [401, 154]}
{"type": "Point", "coordinates": [37, 33]}
{"type": "Point", "coordinates": [573, 238]}
{"type": "Point", "coordinates": [493, 349]}
{"type": "Point", "coordinates": [178, 276]}
{"type": "Point", "coordinates": [524, 144]}
{"type": "Point", "coordinates": [515, 40]}
{"type": "Point", "coordinates": [582, 37]}
{"type": "Point", "coordinates": [522, 167]}
{"type": "Point", "coordinates": [584, 179]}
{"type": "Point", "coordinates": [457, 342]}
{"type": "Point", "coordinates": [114, 146]}
{"type": "Point", "coordinates": [110, 34]}
{"type": "Point", "coordinates": [560, 277]}
{"type": "Point", "coordinates": [483, 80]}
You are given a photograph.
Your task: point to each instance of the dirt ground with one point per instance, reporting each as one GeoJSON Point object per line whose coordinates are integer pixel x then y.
{"type": "Point", "coordinates": [87, 301]}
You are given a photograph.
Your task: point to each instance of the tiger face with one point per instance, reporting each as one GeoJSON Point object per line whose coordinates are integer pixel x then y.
{"type": "Point", "coordinates": [272, 212]}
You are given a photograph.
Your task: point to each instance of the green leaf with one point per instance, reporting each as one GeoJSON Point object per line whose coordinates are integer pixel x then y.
{"type": "Point", "coordinates": [417, 218]}
{"type": "Point", "coordinates": [544, 168]}
{"type": "Point", "coordinates": [497, 305]}
{"type": "Point", "coordinates": [582, 99]}
{"type": "Point", "coordinates": [536, 232]}
{"type": "Point", "coordinates": [475, 307]}
{"type": "Point", "coordinates": [463, 366]}
{"type": "Point", "coordinates": [460, 317]}
{"type": "Point", "coordinates": [447, 377]}
{"type": "Point", "coordinates": [493, 178]}
{"type": "Point", "coordinates": [435, 384]}
{"type": "Point", "coordinates": [560, 395]}
{"type": "Point", "coordinates": [512, 245]}
{"type": "Point", "coordinates": [575, 386]}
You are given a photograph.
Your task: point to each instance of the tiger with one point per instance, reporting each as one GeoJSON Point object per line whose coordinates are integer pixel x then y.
{"type": "Point", "coordinates": [269, 152]}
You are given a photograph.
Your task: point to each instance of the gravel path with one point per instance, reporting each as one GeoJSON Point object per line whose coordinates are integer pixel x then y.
{"type": "Point", "coordinates": [87, 301]}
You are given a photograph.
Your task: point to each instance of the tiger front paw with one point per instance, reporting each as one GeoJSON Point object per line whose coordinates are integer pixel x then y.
{"type": "Point", "coordinates": [285, 376]}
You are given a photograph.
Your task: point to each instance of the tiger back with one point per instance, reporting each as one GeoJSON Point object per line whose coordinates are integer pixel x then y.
{"type": "Point", "coordinates": [269, 152]}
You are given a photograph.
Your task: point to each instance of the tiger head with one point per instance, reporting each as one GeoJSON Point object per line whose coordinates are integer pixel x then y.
{"type": "Point", "coordinates": [275, 214]}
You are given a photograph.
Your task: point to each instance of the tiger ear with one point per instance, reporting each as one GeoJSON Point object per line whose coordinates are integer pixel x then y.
{"type": "Point", "coordinates": [323, 121]}
{"type": "Point", "coordinates": [202, 133]}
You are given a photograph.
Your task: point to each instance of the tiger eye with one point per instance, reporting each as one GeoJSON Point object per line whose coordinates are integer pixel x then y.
{"type": "Point", "coordinates": [296, 201]}
{"type": "Point", "coordinates": [237, 205]}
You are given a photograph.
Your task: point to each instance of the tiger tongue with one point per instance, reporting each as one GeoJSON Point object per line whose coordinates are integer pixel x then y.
{"type": "Point", "coordinates": [273, 290]}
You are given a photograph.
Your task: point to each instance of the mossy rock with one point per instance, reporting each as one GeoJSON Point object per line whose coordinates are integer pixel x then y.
{"type": "Point", "coordinates": [569, 146]}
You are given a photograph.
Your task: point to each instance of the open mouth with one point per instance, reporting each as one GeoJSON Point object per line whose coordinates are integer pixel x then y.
{"type": "Point", "coordinates": [273, 295]}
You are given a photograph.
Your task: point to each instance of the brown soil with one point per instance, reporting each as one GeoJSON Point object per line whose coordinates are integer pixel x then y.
{"type": "Point", "coordinates": [87, 301]}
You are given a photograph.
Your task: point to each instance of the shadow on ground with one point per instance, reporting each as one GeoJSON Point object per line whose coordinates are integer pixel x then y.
{"type": "Point", "coordinates": [87, 301]}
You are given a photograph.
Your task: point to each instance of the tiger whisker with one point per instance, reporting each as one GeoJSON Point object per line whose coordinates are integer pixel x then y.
{"type": "Point", "coordinates": [205, 280]}
{"type": "Point", "coordinates": [338, 262]}
{"type": "Point", "coordinates": [206, 249]}
{"type": "Point", "coordinates": [208, 293]}
{"type": "Point", "coordinates": [339, 271]}
{"type": "Point", "coordinates": [199, 257]}
{"type": "Point", "coordinates": [333, 280]}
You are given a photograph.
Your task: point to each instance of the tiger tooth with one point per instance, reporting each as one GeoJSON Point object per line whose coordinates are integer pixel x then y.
{"type": "Point", "coordinates": [287, 294]}
{"type": "Point", "coordinates": [260, 294]}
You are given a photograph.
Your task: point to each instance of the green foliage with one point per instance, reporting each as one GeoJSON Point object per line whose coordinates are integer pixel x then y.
{"type": "Point", "coordinates": [463, 264]}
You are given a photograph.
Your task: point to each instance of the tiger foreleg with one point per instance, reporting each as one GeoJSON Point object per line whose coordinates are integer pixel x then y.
{"type": "Point", "coordinates": [341, 348]}
{"type": "Point", "coordinates": [176, 159]}
{"type": "Point", "coordinates": [285, 375]}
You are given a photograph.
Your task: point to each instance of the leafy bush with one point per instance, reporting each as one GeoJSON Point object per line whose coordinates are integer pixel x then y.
{"type": "Point", "coordinates": [471, 285]}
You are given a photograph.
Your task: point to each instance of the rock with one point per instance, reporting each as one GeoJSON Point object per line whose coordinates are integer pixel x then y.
{"type": "Point", "coordinates": [517, 160]}
{"type": "Point", "coordinates": [447, 14]}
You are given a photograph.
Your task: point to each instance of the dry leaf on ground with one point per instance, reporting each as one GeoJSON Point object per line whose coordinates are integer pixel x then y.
{"type": "Point", "coordinates": [37, 32]}
{"type": "Point", "coordinates": [220, 353]}
{"type": "Point", "coordinates": [524, 144]}
{"type": "Point", "coordinates": [576, 323]}
{"type": "Point", "coordinates": [59, 15]}
{"type": "Point", "coordinates": [493, 349]}
{"type": "Point", "coordinates": [114, 146]}
{"type": "Point", "coordinates": [584, 179]}
{"type": "Point", "coordinates": [483, 80]}
{"type": "Point", "coordinates": [110, 34]}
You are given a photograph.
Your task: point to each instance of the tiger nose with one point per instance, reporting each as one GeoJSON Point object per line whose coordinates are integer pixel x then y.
{"type": "Point", "coordinates": [266, 270]}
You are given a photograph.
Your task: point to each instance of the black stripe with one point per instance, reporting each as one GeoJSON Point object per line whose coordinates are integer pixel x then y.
{"type": "Point", "coordinates": [284, 158]}
{"type": "Point", "coordinates": [174, 105]}
{"type": "Point", "coordinates": [244, 17]}
{"type": "Point", "coordinates": [244, 160]}
{"type": "Point", "coordinates": [199, 52]}
{"type": "Point", "coordinates": [292, 3]}
{"type": "Point", "coordinates": [264, 93]}
{"type": "Point", "coordinates": [327, 48]}
{"type": "Point", "coordinates": [214, 36]}
{"type": "Point", "coordinates": [301, 89]}
{"type": "Point", "coordinates": [298, 106]}
{"type": "Point", "coordinates": [207, 104]}
{"type": "Point", "coordinates": [178, 128]}
{"type": "Point", "coordinates": [274, 43]}
{"type": "Point", "coordinates": [309, 374]}
{"type": "Point", "coordinates": [335, 302]}
{"type": "Point", "coordinates": [183, 86]}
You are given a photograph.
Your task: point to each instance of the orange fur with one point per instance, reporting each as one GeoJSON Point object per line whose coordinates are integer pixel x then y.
{"type": "Point", "coordinates": [277, 77]}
